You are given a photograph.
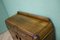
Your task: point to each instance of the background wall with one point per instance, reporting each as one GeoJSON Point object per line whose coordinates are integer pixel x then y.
{"type": "Point", "coordinates": [3, 16]}
{"type": "Point", "coordinates": [49, 8]}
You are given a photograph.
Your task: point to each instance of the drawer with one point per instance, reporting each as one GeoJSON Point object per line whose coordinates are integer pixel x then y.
{"type": "Point", "coordinates": [18, 34]}
{"type": "Point", "coordinates": [51, 36]}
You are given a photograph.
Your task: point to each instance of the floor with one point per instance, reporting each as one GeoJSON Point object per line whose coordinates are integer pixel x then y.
{"type": "Point", "coordinates": [5, 36]}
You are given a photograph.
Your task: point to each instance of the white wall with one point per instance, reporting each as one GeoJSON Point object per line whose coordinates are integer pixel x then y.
{"type": "Point", "coordinates": [49, 8]}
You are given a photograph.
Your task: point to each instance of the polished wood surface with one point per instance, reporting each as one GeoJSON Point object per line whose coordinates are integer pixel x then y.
{"type": "Point", "coordinates": [32, 26]}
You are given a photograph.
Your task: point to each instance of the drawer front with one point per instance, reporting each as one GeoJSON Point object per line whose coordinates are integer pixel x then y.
{"type": "Point", "coordinates": [51, 36]}
{"type": "Point", "coordinates": [15, 36]}
{"type": "Point", "coordinates": [18, 34]}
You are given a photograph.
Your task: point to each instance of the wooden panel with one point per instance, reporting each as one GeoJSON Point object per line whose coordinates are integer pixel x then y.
{"type": "Point", "coordinates": [51, 36]}
{"type": "Point", "coordinates": [19, 34]}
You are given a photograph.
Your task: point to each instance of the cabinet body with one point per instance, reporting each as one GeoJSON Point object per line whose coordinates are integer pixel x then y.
{"type": "Point", "coordinates": [25, 26]}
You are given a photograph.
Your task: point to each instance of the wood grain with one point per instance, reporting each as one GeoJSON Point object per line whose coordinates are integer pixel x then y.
{"type": "Point", "coordinates": [32, 26]}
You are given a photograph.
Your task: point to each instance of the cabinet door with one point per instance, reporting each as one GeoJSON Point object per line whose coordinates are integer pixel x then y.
{"type": "Point", "coordinates": [18, 34]}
